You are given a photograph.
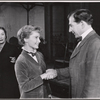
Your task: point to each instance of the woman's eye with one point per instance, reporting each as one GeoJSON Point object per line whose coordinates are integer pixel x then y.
{"type": "Point", "coordinates": [36, 37]}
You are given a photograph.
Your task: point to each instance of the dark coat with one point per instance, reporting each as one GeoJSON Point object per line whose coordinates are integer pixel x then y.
{"type": "Point", "coordinates": [28, 73]}
{"type": "Point", "coordinates": [8, 82]}
{"type": "Point", "coordinates": [84, 68]}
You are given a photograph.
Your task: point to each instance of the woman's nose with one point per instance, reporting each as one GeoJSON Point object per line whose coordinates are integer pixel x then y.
{"type": "Point", "coordinates": [39, 40]}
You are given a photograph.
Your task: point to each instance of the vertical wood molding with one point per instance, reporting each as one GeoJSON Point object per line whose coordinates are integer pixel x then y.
{"type": "Point", "coordinates": [48, 29]}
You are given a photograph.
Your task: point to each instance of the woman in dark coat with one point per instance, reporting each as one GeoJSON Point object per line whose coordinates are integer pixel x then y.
{"type": "Point", "coordinates": [30, 66]}
{"type": "Point", "coordinates": [8, 55]}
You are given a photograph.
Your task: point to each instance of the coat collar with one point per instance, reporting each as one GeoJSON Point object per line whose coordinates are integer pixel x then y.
{"type": "Point", "coordinates": [30, 58]}
{"type": "Point", "coordinates": [77, 49]}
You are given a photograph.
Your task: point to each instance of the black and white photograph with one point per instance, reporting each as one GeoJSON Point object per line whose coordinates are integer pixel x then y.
{"type": "Point", "coordinates": [49, 49]}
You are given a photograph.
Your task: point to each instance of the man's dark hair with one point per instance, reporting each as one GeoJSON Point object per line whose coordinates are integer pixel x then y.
{"type": "Point", "coordinates": [82, 14]}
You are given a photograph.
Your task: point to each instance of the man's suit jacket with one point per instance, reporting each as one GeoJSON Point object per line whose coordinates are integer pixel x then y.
{"type": "Point", "coordinates": [28, 73]}
{"type": "Point", "coordinates": [84, 68]}
{"type": "Point", "coordinates": [8, 83]}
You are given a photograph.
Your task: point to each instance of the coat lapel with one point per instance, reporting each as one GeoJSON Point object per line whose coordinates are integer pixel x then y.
{"type": "Point", "coordinates": [77, 49]}
{"type": "Point", "coordinates": [29, 57]}
{"type": "Point", "coordinates": [38, 59]}
{"type": "Point", "coordinates": [39, 63]}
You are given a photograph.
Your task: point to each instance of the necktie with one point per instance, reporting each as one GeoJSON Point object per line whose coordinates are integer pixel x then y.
{"type": "Point", "coordinates": [78, 39]}
{"type": "Point", "coordinates": [33, 54]}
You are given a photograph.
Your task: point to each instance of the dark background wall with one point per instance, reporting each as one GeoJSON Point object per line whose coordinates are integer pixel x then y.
{"type": "Point", "coordinates": [13, 15]}
{"type": "Point", "coordinates": [58, 25]}
{"type": "Point", "coordinates": [51, 17]}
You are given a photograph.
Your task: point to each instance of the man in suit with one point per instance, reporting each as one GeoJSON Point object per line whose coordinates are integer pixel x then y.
{"type": "Point", "coordinates": [84, 65]}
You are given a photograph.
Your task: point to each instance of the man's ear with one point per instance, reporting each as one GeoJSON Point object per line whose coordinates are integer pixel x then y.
{"type": "Point", "coordinates": [83, 24]}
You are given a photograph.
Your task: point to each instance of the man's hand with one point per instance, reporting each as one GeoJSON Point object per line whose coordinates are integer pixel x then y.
{"type": "Point", "coordinates": [50, 74]}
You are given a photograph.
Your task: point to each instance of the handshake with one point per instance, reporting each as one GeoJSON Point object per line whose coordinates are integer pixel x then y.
{"type": "Point", "coordinates": [49, 74]}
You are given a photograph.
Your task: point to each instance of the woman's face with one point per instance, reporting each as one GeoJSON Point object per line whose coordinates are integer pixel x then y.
{"type": "Point", "coordinates": [33, 40]}
{"type": "Point", "coordinates": [2, 37]}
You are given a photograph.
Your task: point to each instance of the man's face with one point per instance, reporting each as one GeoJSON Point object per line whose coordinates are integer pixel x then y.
{"type": "Point", "coordinates": [74, 27]}
{"type": "Point", "coordinates": [33, 40]}
{"type": "Point", "coordinates": [2, 37]}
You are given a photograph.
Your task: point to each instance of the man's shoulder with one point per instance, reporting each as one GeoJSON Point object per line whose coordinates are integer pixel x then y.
{"type": "Point", "coordinates": [94, 42]}
{"type": "Point", "coordinates": [94, 38]}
